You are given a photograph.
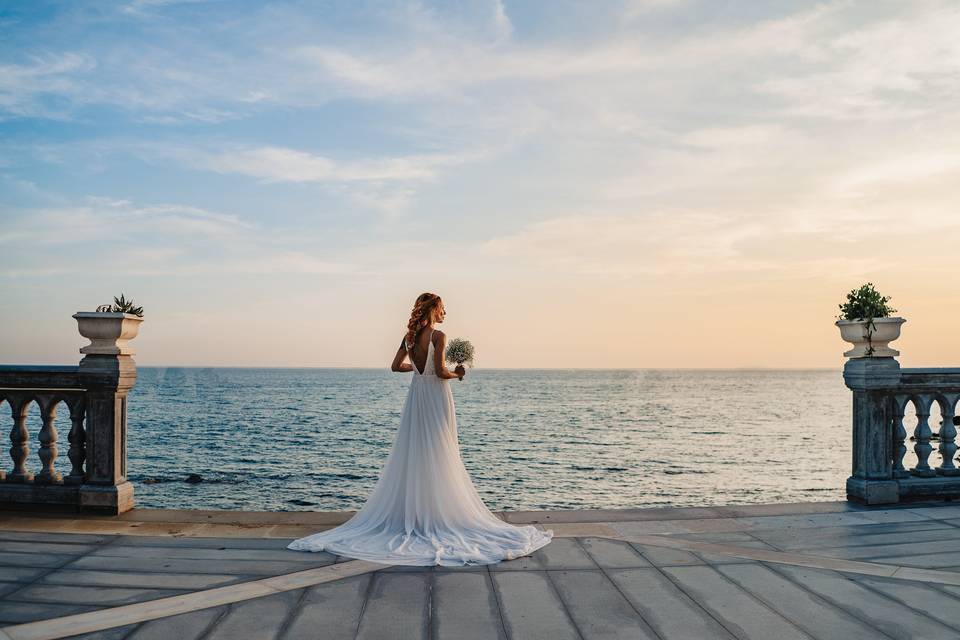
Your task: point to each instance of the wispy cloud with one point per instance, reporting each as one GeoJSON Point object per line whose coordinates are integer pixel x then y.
{"type": "Point", "coordinates": [279, 164]}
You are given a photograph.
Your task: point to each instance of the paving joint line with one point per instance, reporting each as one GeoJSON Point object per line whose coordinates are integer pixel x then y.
{"type": "Point", "coordinates": [563, 603]}
{"type": "Point", "coordinates": [267, 588]}
{"type": "Point", "coordinates": [902, 603]}
{"type": "Point", "coordinates": [616, 586]}
{"type": "Point", "coordinates": [817, 598]}
{"type": "Point", "coordinates": [835, 603]}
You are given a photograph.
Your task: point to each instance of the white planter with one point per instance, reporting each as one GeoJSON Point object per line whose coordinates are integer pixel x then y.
{"type": "Point", "coordinates": [884, 331]}
{"type": "Point", "coordinates": [108, 333]}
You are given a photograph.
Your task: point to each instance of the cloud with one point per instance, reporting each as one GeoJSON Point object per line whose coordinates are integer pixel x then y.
{"type": "Point", "coordinates": [502, 24]}
{"type": "Point", "coordinates": [26, 89]}
{"type": "Point", "coordinates": [100, 218]}
{"type": "Point", "coordinates": [279, 164]}
{"type": "Point", "coordinates": [150, 239]}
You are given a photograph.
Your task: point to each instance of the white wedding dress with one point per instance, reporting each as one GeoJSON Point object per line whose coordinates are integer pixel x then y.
{"type": "Point", "coordinates": [424, 509]}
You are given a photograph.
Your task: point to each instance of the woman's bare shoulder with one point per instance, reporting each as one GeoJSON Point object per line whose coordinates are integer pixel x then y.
{"type": "Point", "coordinates": [438, 336]}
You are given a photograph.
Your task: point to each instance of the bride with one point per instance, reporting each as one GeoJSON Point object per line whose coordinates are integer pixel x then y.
{"type": "Point", "coordinates": [424, 509]}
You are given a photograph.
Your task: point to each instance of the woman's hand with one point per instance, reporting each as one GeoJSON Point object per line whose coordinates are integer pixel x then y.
{"type": "Point", "coordinates": [460, 371]}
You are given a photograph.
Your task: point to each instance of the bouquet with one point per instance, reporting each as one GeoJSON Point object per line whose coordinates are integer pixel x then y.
{"type": "Point", "coordinates": [460, 351]}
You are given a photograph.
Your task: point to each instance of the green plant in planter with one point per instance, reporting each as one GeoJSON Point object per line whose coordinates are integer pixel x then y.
{"type": "Point", "coordinates": [121, 305]}
{"type": "Point", "coordinates": [866, 303]}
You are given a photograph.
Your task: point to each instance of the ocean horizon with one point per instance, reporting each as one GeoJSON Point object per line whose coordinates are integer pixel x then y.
{"type": "Point", "coordinates": [295, 438]}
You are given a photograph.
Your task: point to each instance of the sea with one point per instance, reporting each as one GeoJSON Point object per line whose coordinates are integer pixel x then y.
{"type": "Point", "coordinates": [315, 439]}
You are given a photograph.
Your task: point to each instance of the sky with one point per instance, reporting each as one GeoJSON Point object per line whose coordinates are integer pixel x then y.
{"type": "Point", "coordinates": [625, 183]}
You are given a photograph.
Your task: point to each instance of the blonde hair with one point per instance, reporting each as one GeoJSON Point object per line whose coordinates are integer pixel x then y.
{"type": "Point", "coordinates": [420, 316]}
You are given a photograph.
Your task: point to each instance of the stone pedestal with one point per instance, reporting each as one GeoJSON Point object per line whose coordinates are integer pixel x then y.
{"type": "Point", "coordinates": [108, 379]}
{"type": "Point", "coordinates": [872, 480]}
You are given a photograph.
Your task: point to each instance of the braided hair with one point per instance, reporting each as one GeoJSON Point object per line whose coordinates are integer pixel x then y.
{"type": "Point", "coordinates": [420, 316]}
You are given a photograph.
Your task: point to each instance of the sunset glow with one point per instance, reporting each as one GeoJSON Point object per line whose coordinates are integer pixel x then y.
{"type": "Point", "coordinates": [646, 183]}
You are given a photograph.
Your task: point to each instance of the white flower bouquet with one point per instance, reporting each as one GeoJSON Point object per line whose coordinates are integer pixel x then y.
{"type": "Point", "coordinates": [460, 351]}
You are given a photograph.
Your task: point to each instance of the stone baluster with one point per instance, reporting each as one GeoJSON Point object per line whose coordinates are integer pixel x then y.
{"type": "Point", "coordinates": [77, 439]}
{"type": "Point", "coordinates": [48, 441]}
{"type": "Point", "coordinates": [921, 434]}
{"type": "Point", "coordinates": [899, 403]}
{"type": "Point", "coordinates": [19, 440]}
{"type": "Point", "coordinates": [948, 436]}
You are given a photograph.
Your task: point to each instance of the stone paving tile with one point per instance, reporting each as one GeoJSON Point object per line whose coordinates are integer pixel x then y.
{"type": "Point", "coordinates": [648, 528]}
{"type": "Point", "coordinates": [732, 537]}
{"type": "Point", "coordinates": [531, 608]}
{"type": "Point", "coordinates": [598, 608]}
{"type": "Point", "coordinates": [774, 523]}
{"type": "Point", "coordinates": [209, 553]}
{"type": "Point", "coordinates": [117, 633]}
{"type": "Point", "coordinates": [940, 606]}
{"type": "Point", "coordinates": [812, 614]}
{"type": "Point", "coordinates": [845, 519]}
{"type": "Point", "coordinates": [613, 554]}
{"type": "Point", "coordinates": [736, 608]}
{"type": "Point", "coordinates": [166, 565]}
{"type": "Point", "coordinates": [399, 568]}
{"type": "Point", "coordinates": [99, 596]}
{"type": "Point", "coordinates": [941, 512]}
{"type": "Point", "coordinates": [946, 576]}
{"type": "Point", "coordinates": [526, 563]}
{"type": "Point", "coordinates": [865, 540]}
{"type": "Point", "coordinates": [483, 568]}
{"type": "Point", "coordinates": [922, 561]}
{"type": "Point", "coordinates": [145, 580]}
{"type": "Point", "coordinates": [896, 620]}
{"type": "Point", "coordinates": [35, 536]}
{"type": "Point", "coordinates": [255, 619]}
{"type": "Point", "coordinates": [186, 626]}
{"type": "Point", "coordinates": [199, 543]}
{"type": "Point", "coordinates": [564, 553]}
{"type": "Point", "coordinates": [951, 589]}
{"type": "Point", "coordinates": [397, 607]}
{"type": "Point", "coordinates": [331, 610]}
{"type": "Point", "coordinates": [9, 587]}
{"type": "Point", "coordinates": [46, 548]}
{"type": "Point", "coordinates": [893, 515]}
{"type": "Point", "coordinates": [793, 508]}
{"type": "Point", "coordinates": [667, 609]}
{"type": "Point", "coordinates": [33, 559]}
{"type": "Point", "coordinates": [465, 607]}
{"type": "Point", "coordinates": [17, 612]}
{"type": "Point", "coordinates": [21, 574]}
{"type": "Point", "coordinates": [719, 558]}
{"type": "Point", "coordinates": [663, 556]}
{"type": "Point", "coordinates": [811, 538]}
{"type": "Point", "coordinates": [912, 548]}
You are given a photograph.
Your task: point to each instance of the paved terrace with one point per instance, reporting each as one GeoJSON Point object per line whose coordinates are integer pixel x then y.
{"type": "Point", "coordinates": [818, 570]}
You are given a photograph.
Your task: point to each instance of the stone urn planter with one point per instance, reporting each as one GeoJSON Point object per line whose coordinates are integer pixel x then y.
{"type": "Point", "coordinates": [108, 332]}
{"type": "Point", "coordinates": [865, 335]}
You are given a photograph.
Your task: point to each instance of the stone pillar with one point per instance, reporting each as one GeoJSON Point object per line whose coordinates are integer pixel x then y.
{"type": "Point", "coordinates": [871, 379]}
{"type": "Point", "coordinates": [107, 372]}
{"type": "Point", "coordinates": [107, 380]}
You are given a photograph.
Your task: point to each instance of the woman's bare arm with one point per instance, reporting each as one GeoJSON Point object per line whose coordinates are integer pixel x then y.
{"type": "Point", "coordinates": [439, 346]}
{"type": "Point", "coordinates": [398, 364]}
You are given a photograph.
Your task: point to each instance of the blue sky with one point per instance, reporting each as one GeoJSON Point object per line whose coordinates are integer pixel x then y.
{"type": "Point", "coordinates": [586, 184]}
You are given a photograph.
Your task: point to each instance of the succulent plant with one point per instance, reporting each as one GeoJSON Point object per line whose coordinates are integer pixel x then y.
{"type": "Point", "coordinates": [121, 305]}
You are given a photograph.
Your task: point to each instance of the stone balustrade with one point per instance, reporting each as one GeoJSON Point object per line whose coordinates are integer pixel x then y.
{"type": "Point", "coordinates": [886, 468]}
{"type": "Point", "coordinates": [94, 394]}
